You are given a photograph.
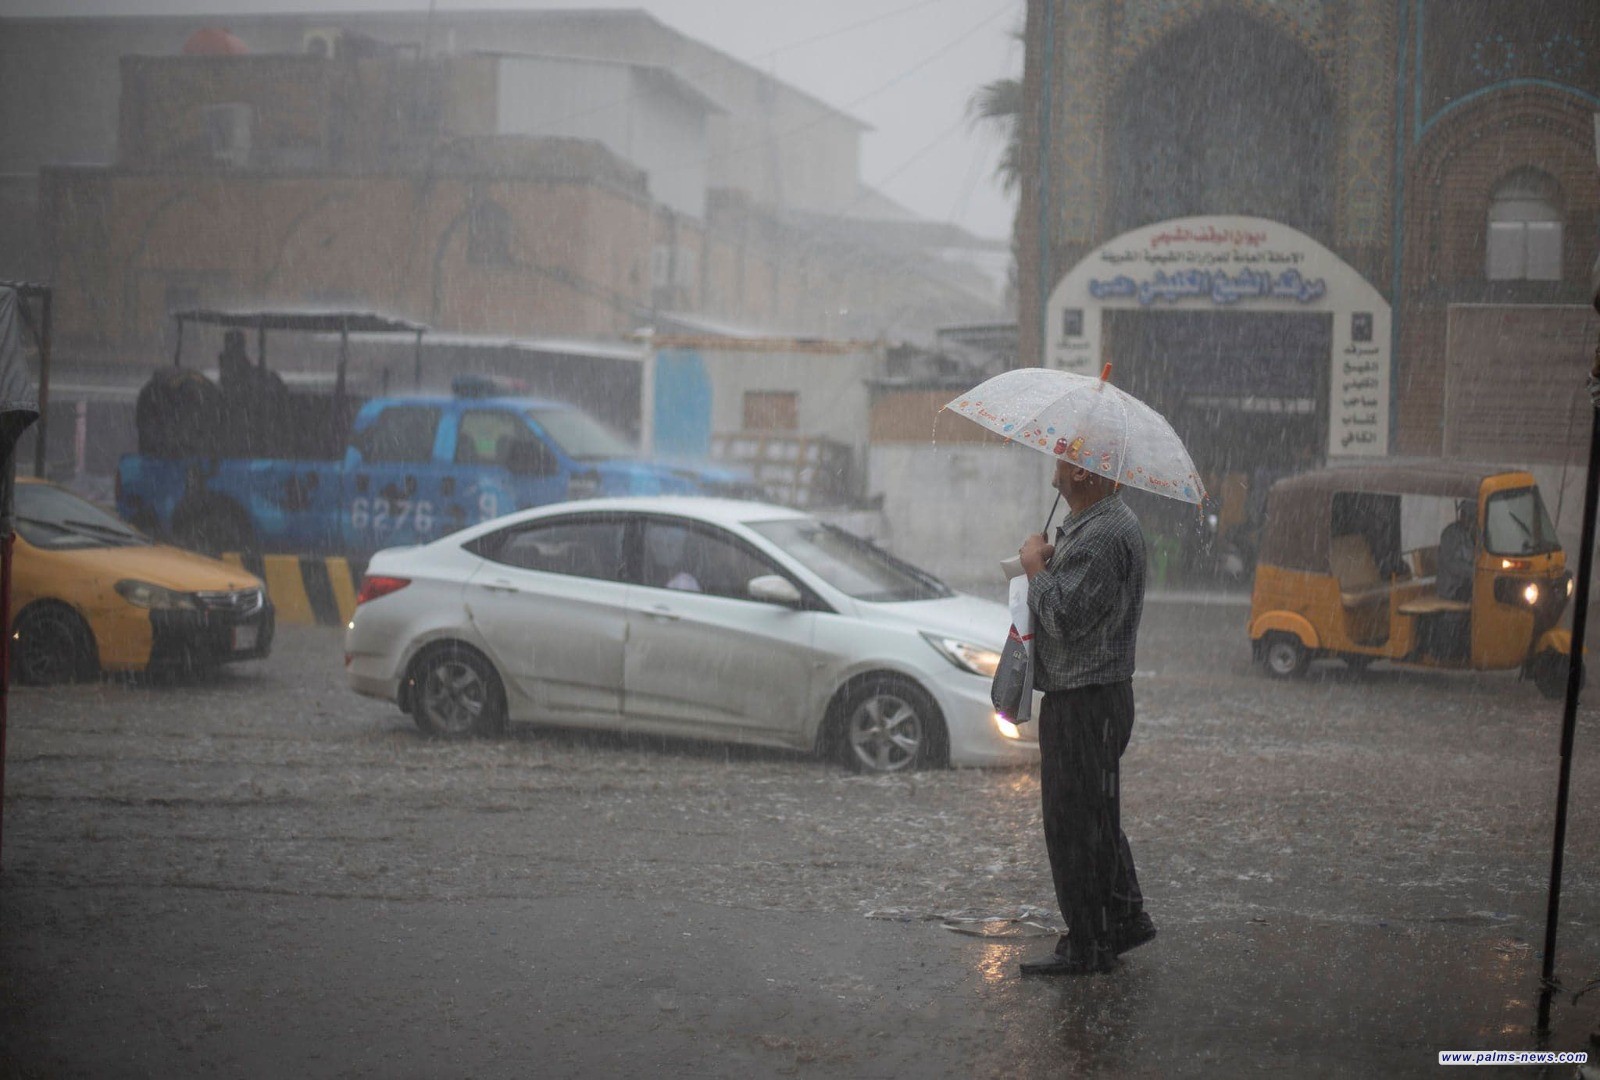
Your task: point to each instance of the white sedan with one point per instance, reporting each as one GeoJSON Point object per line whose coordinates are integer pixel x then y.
{"type": "Point", "coordinates": [693, 617]}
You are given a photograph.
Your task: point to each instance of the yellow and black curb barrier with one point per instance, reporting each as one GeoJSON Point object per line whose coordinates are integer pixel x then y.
{"type": "Point", "coordinates": [309, 590]}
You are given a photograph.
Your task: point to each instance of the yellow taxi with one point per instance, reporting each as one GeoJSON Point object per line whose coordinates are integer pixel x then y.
{"type": "Point", "coordinates": [90, 594]}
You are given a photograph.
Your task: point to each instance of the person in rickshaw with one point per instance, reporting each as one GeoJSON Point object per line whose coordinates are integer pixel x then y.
{"type": "Point", "coordinates": [1458, 552]}
{"type": "Point", "coordinates": [1448, 634]}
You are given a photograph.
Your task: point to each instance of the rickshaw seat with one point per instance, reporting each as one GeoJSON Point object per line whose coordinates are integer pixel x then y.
{"type": "Point", "coordinates": [1359, 582]}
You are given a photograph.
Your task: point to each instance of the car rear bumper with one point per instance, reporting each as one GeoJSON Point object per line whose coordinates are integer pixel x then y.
{"type": "Point", "coordinates": [372, 675]}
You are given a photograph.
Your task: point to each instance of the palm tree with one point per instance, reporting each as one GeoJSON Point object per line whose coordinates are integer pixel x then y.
{"type": "Point", "coordinates": [1000, 103]}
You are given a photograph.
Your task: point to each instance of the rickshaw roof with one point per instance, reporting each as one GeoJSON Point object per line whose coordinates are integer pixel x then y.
{"type": "Point", "coordinates": [1424, 476]}
{"type": "Point", "coordinates": [1296, 533]}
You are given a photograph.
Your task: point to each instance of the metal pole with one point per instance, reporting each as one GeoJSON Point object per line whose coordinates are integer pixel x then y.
{"type": "Point", "coordinates": [177, 348]}
{"type": "Point", "coordinates": [6, 544]}
{"type": "Point", "coordinates": [1569, 721]}
{"type": "Point", "coordinates": [1569, 712]}
{"type": "Point", "coordinates": [261, 347]}
{"type": "Point", "coordinates": [339, 433]}
{"type": "Point", "coordinates": [416, 377]}
{"type": "Point", "coordinates": [44, 386]}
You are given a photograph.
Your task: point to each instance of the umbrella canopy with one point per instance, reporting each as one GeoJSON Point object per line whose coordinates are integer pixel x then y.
{"type": "Point", "coordinates": [1088, 422]}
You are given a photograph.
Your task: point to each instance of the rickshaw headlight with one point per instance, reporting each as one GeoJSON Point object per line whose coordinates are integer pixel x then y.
{"type": "Point", "coordinates": [1531, 593]}
{"type": "Point", "coordinates": [1569, 587]}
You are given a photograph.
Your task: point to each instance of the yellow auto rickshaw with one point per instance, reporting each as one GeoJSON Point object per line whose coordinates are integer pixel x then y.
{"type": "Point", "coordinates": [1435, 564]}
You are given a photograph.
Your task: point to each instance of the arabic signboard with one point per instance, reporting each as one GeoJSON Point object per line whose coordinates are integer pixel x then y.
{"type": "Point", "coordinates": [1244, 265]}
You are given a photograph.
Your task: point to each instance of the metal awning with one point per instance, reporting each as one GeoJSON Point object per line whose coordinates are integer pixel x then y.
{"type": "Point", "coordinates": [308, 320]}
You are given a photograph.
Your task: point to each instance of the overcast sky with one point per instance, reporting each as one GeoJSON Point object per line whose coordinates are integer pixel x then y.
{"type": "Point", "coordinates": [907, 67]}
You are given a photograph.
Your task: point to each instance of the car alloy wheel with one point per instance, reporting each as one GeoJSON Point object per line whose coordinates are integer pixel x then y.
{"type": "Point", "coordinates": [456, 695]}
{"type": "Point", "coordinates": [885, 733]}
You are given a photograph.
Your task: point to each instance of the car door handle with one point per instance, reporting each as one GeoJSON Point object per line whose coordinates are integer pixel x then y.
{"type": "Point", "coordinates": [662, 612]}
{"type": "Point", "coordinates": [499, 586]}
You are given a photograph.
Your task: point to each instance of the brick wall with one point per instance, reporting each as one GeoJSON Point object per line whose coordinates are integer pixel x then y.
{"type": "Point", "coordinates": [1451, 179]}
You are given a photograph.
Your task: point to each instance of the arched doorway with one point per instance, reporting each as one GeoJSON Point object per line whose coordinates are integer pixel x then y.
{"type": "Point", "coordinates": [1224, 115]}
{"type": "Point", "coordinates": [1267, 351]}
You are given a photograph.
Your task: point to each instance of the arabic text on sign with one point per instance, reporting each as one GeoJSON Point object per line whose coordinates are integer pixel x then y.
{"type": "Point", "coordinates": [1208, 234]}
{"type": "Point", "coordinates": [1219, 286]}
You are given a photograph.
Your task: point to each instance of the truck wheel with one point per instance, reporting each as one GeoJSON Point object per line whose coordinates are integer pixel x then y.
{"type": "Point", "coordinates": [52, 644]}
{"type": "Point", "coordinates": [455, 694]}
{"type": "Point", "coordinates": [1284, 656]}
{"type": "Point", "coordinates": [214, 529]}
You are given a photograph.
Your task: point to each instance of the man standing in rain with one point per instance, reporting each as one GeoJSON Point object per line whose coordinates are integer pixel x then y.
{"type": "Point", "coordinates": [1085, 596]}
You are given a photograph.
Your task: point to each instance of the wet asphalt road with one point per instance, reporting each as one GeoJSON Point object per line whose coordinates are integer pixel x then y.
{"type": "Point", "coordinates": [264, 875]}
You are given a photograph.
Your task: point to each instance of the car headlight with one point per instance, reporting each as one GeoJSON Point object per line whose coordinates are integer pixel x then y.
{"type": "Point", "coordinates": [974, 658]}
{"type": "Point", "coordinates": [156, 598]}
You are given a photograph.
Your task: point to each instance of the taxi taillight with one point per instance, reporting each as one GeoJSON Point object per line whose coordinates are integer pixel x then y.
{"type": "Point", "coordinates": [376, 585]}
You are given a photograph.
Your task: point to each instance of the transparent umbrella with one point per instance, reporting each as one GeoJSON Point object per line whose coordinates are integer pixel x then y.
{"type": "Point", "coordinates": [1088, 422]}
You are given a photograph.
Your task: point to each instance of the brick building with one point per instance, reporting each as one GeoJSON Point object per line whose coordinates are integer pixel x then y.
{"type": "Point", "coordinates": [1425, 169]}
{"type": "Point", "coordinates": [534, 175]}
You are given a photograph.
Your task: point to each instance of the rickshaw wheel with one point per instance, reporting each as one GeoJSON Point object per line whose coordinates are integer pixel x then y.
{"type": "Point", "coordinates": [1285, 657]}
{"type": "Point", "coordinates": [1549, 671]}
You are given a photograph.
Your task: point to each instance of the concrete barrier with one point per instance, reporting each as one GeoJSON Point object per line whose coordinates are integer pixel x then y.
{"type": "Point", "coordinates": [305, 589]}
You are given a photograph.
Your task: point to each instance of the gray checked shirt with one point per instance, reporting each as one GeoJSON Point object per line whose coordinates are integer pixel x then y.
{"type": "Point", "coordinates": [1085, 605]}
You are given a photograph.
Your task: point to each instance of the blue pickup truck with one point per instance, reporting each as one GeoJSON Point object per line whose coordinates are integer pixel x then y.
{"type": "Point", "coordinates": [414, 468]}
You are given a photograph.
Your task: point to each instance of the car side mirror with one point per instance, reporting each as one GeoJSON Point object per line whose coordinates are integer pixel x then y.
{"type": "Point", "coordinates": [530, 457]}
{"type": "Point", "coordinates": [773, 589]}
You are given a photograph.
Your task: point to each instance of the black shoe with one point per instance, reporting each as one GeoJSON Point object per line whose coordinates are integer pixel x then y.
{"type": "Point", "coordinates": [1095, 962]}
{"type": "Point", "coordinates": [1131, 934]}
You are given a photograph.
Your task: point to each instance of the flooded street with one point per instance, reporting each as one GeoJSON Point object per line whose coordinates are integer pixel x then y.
{"type": "Point", "coordinates": [265, 874]}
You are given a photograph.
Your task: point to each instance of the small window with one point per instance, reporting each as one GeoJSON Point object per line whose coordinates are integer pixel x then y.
{"type": "Point", "coordinates": [1524, 229]}
{"type": "Point", "coordinates": [680, 556]}
{"type": "Point", "coordinates": [400, 433]}
{"type": "Point", "coordinates": [771, 410]}
{"type": "Point", "coordinates": [589, 548]}
{"type": "Point", "coordinates": [484, 436]}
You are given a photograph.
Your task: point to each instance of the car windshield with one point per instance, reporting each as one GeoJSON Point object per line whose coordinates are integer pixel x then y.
{"type": "Point", "coordinates": [856, 567]}
{"type": "Point", "coordinates": [579, 436]}
{"type": "Point", "coordinates": [1516, 523]}
{"type": "Point", "coordinates": [48, 517]}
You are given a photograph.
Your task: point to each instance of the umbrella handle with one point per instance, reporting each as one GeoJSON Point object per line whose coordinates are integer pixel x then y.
{"type": "Point", "coordinates": [1047, 520]}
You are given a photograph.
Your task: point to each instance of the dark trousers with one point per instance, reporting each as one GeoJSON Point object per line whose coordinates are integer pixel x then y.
{"type": "Point", "coordinates": [1082, 734]}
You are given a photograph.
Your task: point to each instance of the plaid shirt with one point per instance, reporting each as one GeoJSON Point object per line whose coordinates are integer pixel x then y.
{"type": "Point", "coordinates": [1085, 604]}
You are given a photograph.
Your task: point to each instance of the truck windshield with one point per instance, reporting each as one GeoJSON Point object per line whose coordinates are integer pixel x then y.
{"type": "Point", "coordinates": [1516, 523]}
{"type": "Point", "coordinates": [580, 436]}
{"type": "Point", "coordinates": [856, 567]}
{"type": "Point", "coordinates": [48, 517]}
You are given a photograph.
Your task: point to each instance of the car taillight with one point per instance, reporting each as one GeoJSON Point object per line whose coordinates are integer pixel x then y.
{"type": "Point", "coordinates": [376, 585]}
